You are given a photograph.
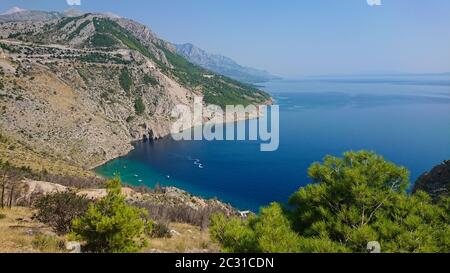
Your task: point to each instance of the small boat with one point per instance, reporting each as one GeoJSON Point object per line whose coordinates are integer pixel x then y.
{"type": "Point", "coordinates": [168, 177]}
{"type": "Point", "coordinates": [140, 181]}
{"type": "Point", "coordinates": [136, 175]}
{"type": "Point", "coordinates": [200, 166]}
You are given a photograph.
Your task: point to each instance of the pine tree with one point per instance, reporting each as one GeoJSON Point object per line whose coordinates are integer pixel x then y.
{"type": "Point", "coordinates": [110, 225]}
{"type": "Point", "coordinates": [352, 201]}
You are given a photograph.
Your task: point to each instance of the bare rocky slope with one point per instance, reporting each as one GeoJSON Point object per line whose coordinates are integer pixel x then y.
{"type": "Point", "coordinates": [81, 89]}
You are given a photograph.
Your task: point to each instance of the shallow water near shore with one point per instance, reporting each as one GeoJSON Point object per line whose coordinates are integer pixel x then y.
{"type": "Point", "coordinates": [405, 119]}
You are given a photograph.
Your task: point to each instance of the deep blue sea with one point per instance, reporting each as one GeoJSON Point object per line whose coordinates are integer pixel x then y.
{"type": "Point", "coordinates": [404, 118]}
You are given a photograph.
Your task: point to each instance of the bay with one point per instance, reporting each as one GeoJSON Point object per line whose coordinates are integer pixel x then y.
{"type": "Point", "coordinates": [405, 119]}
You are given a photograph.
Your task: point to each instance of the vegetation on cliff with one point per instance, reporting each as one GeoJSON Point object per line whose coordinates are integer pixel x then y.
{"type": "Point", "coordinates": [125, 80]}
{"type": "Point", "coordinates": [139, 106]}
{"type": "Point", "coordinates": [218, 90]}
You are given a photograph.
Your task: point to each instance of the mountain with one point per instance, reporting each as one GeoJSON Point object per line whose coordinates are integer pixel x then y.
{"type": "Point", "coordinates": [17, 14]}
{"type": "Point", "coordinates": [223, 65]}
{"type": "Point", "coordinates": [78, 90]}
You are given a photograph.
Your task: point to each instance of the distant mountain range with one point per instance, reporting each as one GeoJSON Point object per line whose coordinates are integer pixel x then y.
{"type": "Point", "coordinates": [223, 65]}
{"type": "Point", "coordinates": [17, 14]}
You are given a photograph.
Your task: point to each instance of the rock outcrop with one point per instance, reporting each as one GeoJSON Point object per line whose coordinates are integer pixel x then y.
{"type": "Point", "coordinates": [436, 182]}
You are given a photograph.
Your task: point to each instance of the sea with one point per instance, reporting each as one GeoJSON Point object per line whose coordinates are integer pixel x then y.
{"type": "Point", "coordinates": [404, 118]}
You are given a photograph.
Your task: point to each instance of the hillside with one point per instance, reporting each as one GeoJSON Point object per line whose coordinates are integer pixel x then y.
{"type": "Point", "coordinates": [81, 88]}
{"type": "Point", "coordinates": [223, 65]}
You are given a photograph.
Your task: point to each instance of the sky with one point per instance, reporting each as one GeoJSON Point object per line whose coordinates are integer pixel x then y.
{"type": "Point", "coordinates": [295, 37]}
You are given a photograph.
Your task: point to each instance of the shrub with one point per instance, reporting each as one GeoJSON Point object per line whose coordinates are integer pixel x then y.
{"type": "Point", "coordinates": [2, 216]}
{"type": "Point", "coordinates": [104, 96]}
{"type": "Point", "coordinates": [3, 139]}
{"type": "Point", "coordinates": [125, 80]}
{"type": "Point", "coordinates": [103, 40]}
{"type": "Point", "coordinates": [60, 209]}
{"type": "Point", "coordinates": [139, 106]}
{"type": "Point", "coordinates": [160, 230]}
{"type": "Point", "coordinates": [47, 243]}
{"type": "Point", "coordinates": [110, 225]}
{"type": "Point", "coordinates": [148, 79]}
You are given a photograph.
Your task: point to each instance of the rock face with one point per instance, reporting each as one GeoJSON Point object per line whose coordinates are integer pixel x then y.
{"type": "Point", "coordinates": [437, 182]}
{"type": "Point", "coordinates": [223, 65]}
{"type": "Point", "coordinates": [82, 88]}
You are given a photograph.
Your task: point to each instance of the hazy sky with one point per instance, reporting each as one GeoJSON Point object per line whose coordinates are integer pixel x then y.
{"type": "Point", "coordinates": [295, 37]}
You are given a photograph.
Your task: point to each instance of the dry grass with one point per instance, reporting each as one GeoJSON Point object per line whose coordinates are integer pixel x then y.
{"type": "Point", "coordinates": [189, 239]}
{"type": "Point", "coordinates": [20, 234]}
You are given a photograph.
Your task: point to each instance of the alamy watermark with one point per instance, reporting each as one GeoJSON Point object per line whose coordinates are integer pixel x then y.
{"type": "Point", "coordinates": [235, 122]}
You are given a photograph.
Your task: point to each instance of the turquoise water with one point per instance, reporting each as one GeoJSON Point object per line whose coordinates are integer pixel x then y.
{"type": "Point", "coordinates": [405, 119]}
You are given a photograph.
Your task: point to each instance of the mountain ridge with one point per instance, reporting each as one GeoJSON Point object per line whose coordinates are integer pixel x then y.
{"type": "Point", "coordinates": [17, 14]}
{"type": "Point", "coordinates": [223, 65]}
